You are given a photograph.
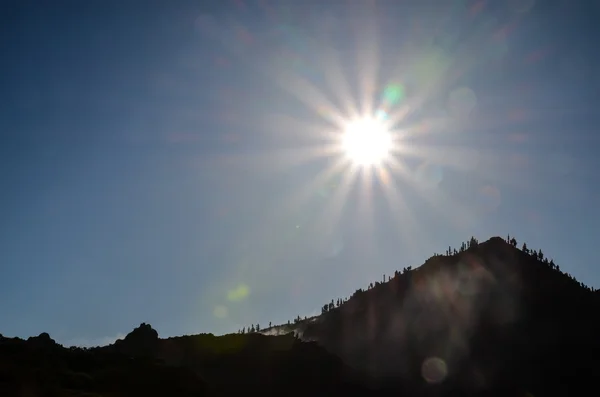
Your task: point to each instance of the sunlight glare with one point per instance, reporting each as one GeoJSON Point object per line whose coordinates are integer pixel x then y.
{"type": "Point", "coordinates": [367, 142]}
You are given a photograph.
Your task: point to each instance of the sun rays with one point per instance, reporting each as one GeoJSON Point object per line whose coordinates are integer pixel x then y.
{"type": "Point", "coordinates": [364, 128]}
{"type": "Point", "coordinates": [362, 150]}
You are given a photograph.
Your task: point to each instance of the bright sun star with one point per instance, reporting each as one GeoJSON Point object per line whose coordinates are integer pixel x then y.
{"type": "Point", "coordinates": [366, 142]}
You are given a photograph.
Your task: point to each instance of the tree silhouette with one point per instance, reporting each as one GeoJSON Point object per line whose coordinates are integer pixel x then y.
{"type": "Point", "coordinates": [473, 242]}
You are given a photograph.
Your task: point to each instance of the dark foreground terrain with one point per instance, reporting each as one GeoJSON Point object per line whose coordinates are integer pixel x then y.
{"type": "Point", "coordinates": [201, 365]}
{"type": "Point", "coordinates": [488, 319]}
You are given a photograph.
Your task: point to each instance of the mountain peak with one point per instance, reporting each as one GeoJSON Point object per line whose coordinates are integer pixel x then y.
{"type": "Point", "coordinates": [42, 340]}
{"type": "Point", "coordinates": [143, 332]}
{"type": "Point", "coordinates": [474, 295]}
{"type": "Point", "coordinates": [142, 341]}
{"type": "Point", "coordinates": [495, 240]}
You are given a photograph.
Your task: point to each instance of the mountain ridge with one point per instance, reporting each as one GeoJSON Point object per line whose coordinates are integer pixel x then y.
{"type": "Point", "coordinates": [485, 319]}
{"type": "Point", "coordinates": [488, 296]}
{"type": "Point", "coordinates": [495, 243]}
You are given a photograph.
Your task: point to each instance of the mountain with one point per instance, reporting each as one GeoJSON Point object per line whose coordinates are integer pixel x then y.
{"type": "Point", "coordinates": [142, 364]}
{"type": "Point", "coordinates": [488, 319]}
{"type": "Point", "coordinates": [40, 367]}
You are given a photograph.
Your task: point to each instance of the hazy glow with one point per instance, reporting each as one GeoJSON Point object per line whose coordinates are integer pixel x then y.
{"type": "Point", "coordinates": [366, 141]}
{"type": "Point", "coordinates": [374, 134]}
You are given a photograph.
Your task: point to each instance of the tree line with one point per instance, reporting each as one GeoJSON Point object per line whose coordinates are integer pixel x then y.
{"type": "Point", "coordinates": [470, 244]}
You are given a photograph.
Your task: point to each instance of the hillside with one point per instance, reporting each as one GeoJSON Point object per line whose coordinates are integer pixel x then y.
{"type": "Point", "coordinates": [486, 319]}
{"type": "Point", "coordinates": [144, 365]}
{"type": "Point", "coordinates": [486, 316]}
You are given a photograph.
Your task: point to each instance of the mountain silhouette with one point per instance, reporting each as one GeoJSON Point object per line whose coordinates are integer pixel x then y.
{"type": "Point", "coordinates": [198, 365]}
{"type": "Point", "coordinates": [488, 319]}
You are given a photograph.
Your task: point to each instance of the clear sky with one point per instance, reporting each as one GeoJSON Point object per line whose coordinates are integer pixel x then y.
{"type": "Point", "coordinates": [175, 163]}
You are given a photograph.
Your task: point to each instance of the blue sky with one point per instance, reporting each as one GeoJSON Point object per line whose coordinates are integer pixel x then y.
{"type": "Point", "coordinates": [164, 162]}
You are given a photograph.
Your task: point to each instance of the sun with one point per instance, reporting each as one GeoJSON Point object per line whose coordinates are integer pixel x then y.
{"type": "Point", "coordinates": [366, 142]}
